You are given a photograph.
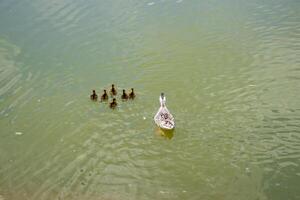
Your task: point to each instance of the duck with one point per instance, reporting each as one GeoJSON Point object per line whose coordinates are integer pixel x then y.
{"type": "Point", "coordinates": [124, 95]}
{"type": "Point", "coordinates": [113, 104]}
{"type": "Point", "coordinates": [163, 117]}
{"type": "Point", "coordinates": [94, 96]}
{"type": "Point", "coordinates": [132, 94]}
{"type": "Point", "coordinates": [113, 91]}
{"type": "Point", "coordinates": [104, 96]}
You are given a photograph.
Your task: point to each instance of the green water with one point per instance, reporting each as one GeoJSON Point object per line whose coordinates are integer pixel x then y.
{"type": "Point", "coordinates": [230, 71]}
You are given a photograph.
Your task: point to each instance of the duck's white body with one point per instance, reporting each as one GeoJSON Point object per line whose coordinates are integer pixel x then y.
{"type": "Point", "coordinates": [163, 117]}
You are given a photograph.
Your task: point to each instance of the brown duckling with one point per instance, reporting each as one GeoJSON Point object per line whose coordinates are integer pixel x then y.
{"type": "Point", "coordinates": [113, 104]}
{"type": "Point", "coordinates": [94, 96]}
{"type": "Point", "coordinates": [131, 94]}
{"type": "Point", "coordinates": [104, 96]}
{"type": "Point", "coordinates": [124, 95]}
{"type": "Point", "coordinates": [113, 91]}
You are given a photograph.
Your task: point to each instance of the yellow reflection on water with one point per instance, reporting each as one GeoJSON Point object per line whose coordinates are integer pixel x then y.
{"type": "Point", "coordinates": [165, 133]}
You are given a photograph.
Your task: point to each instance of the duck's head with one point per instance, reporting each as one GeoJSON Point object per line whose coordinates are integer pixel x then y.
{"type": "Point", "coordinates": [131, 89]}
{"type": "Point", "coordinates": [94, 91]}
{"type": "Point", "coordinates": [112, 85]}
{"type": "Point", "coordinates": [123, 91]}
{"type": "Point", "coordinates": [104, 91]}
{"type": "Point", "coordinates": [114, 100]}
{"type": "Point", "coordinates": [162, 99]}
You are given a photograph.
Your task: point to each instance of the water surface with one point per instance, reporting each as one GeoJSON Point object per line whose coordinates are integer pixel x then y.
{"type": "Point", "coordinates": [230, 71]}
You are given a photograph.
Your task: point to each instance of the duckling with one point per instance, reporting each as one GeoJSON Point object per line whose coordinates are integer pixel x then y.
{"type": "Point", "coordinates": [131, 94]}
{"type": "Point", "coordinates": [124, 95]}
{"type": "Point", "coordinates": [113, 104]}
{"type": "Point", "coordinates": [94, 96]}
{"type": "Point", "coordinates": [104, 96]}
{"type": "Point", "coordinates": [113, 91]}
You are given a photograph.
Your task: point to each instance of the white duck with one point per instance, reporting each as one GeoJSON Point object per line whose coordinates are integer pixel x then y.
{"type": "Point", "coordinates": [163, 117]}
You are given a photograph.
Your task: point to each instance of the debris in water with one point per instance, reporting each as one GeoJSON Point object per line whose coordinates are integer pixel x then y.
{"type": "Point", "coordinates": [19, 133]}
{"type": "Point", "coordinates": [144, 118]}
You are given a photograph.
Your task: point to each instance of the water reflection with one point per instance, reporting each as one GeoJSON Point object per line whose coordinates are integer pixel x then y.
{"type": "Point", "coordinates": [165, 133]}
